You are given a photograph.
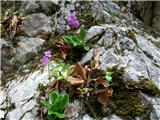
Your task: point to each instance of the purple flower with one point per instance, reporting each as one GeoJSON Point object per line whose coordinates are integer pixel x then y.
{"type": "Point", "coordinates": [72, 20]}
{"type": "Point", "coordinates": [44, 60]}
{"type": "Point", "coordinates": [48, 53]}
{"type": "Point", "coordinates": [46, 56]}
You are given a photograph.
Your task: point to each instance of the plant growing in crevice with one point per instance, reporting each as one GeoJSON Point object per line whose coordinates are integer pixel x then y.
{"type": "Point", "coordinates": [61, 71]}
{"type": "Point", "coordinates": [81, 83]}
{"type": "Point", "coordinates": [56, 105]}
{"type": "Point", "coordinates": [45, 60]}
{"type": "Point", "coordinates": [77, 41]}
{"type": "Point", "coordinates": [73, 46]}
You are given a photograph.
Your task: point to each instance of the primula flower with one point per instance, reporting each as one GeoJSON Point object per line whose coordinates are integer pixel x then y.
{"type": "Point", "coordinates": [48, 53]}
{"type": "Point", "coordinates": [72, 20]}
{"type": "Point", "coordinates": [44, 60]}
{"type": "Point", "coordinates": [46, 56]}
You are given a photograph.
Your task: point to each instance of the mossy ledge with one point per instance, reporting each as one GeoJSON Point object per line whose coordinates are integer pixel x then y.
{"type": "Point", "coordinates": [125, 101]}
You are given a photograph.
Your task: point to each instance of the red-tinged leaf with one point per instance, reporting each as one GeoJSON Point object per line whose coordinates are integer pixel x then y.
{"type": "Point", "coordinates": [75, 81]}
{"type": "Point", "coordinates": [102, 81]}
{"type": "Point", "coordinates": [53, 85]}
{"type": "Point", "coordinates": [63, 48]}
{"type": "Point", "coordinates": [20, 20]}
{"type": "Point", "coordinates": [19, 31]}
{"type": "Point", "coordinates": [11, 25]}
{"type": "Point", "coordinates": [79, 70]}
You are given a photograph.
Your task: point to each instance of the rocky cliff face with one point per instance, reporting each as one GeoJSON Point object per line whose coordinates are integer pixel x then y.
{"type": "Point", "coordinates": [122, 39]}
{"type": "Point", "coordinates": [149, 12]}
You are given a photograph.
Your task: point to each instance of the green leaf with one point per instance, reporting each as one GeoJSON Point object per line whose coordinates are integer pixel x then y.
{"type": "Point", "coordinates": [60, 77]}
{"type": "Point", "coordinates": [108, 76]}
{"type": "Point", "coordinates": [82, 33]}
{"type": "Point", "coordinates": [55, 73]}
{"type": "Point", "coordinates": [75, 41]}
{"type": "Point", "coordinates": [72, 40]}
{"type": "Point", "coordinates": [50, 112]}
{"type": "Point", "coordinates": [64, 101]}
{"type": "Point", "coordinates": [70, 71]}
{"type": "Point", "coordinates": [44, 102]}
{"type": "Point", "coordinates": [59, 67]}
{"type": "Point", "coordinates": [59, 115]}
{"type": "Point", "coordinates": [53, 96]}
{"type": "Point", "coordinates": [65, 67]}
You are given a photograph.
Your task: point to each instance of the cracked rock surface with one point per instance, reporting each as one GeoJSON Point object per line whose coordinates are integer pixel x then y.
{"type": "Point", "coordinates": [118, 35]}
{"type": "Point", "coordinates": [21, 96]}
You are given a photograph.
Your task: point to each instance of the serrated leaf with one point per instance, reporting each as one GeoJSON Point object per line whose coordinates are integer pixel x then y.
{"type": "Point", "coordinates": [44, 102]}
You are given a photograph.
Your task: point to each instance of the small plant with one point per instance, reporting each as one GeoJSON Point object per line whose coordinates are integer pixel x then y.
{"type": "Point", "coordinates": [77, 41]}
{"type": "Point", "coordinates": [108, 76]}
{"type": "Point", "coordinates": [56, 105]}
{"type": "Point", "coordinates": [62, 71]}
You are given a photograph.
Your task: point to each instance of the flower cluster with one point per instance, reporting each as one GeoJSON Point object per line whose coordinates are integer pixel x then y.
{"type": "Point", "coordinates": [46, 56]}
{"type": "Point", "coordinates": [72, 20]}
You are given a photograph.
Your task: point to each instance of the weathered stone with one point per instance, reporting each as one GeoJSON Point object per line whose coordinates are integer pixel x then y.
{"type": "Point", "coordinates": [29, 6]}
{"type": "Point", "coordinates": [141, 61]}
{"type": "Point", "coordinates": [22, 92]}
{"type": "Point", "coordinates": [27, 44]}
{"type": "Point", "coordinates": [2, 113]}
{"type": "Point", "coordinates": [87, 117]}
{"type": "Point", "coordinates": [108, 39]}
{"type": "Point", "coordinates": [37, 25]}
{"type": "Point", "coordinates": [94, 31]}
{"type": "Point", "coordinates": [61, 25]}
{"type": "Point", "coordinates": [153, 102]}
{"type": "Point", "coordinates": [113, 117]}
{"type": "Point", "coordinates": [48, 7]}
{"type": "Point", "coordinates": [111, 7]}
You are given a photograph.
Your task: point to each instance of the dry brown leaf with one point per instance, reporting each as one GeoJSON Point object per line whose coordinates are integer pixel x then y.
{"type": "Point", "coordinates": [102, 81]}
{"type": "Point", "coordinates": [102, 95]}
{"type": "Point", "coordinates": [96, 58]}
{"type": "Point", "coordinates": [79, 70]}
{"type": "Point", "coordinates": [11, 24]}
{"type": "Point", "coordinates": [63, 48]}
{"type": "Point", "coordinates": [53, 84]}
{"type": "Point", "coordinates": [75, 81]}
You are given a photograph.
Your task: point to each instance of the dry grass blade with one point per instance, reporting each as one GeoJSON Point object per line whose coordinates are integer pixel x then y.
{"type": "Point", "coordinates": [96, 58]}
